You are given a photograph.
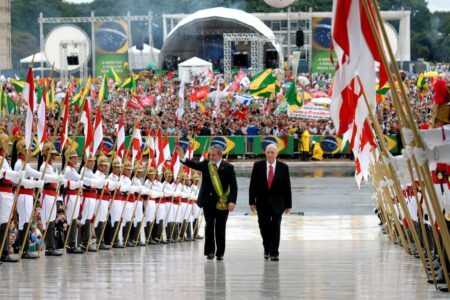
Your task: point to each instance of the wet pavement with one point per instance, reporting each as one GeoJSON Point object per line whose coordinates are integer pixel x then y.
{"type": "Point", "coordinates": [334, 251]}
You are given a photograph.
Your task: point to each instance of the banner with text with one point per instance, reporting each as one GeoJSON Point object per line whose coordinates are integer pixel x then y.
{"type": "Point", "coordinates": [321, 45]}
{"type": "Point", "coordinates": [111, 47]}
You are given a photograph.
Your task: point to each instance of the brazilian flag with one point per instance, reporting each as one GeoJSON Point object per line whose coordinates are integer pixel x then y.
{"type": "Point", "coordinates": [113, 75]}
{"type": "Point", "coordinates": [262, 79]}
{"type": "Point", "coordinates": [225, 143]}
{"type": "Point", "coordinates": [268, 91]}
{"type": "Point", "coordinates": [266, 141]}
{"type": "Point", "coordinates": [292, 98]}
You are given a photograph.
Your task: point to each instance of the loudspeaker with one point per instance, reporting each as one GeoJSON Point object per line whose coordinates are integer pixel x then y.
{"type": "Point", "coordinates": [299, 38]}
{"type": "Point", "coordinates": [72, 60]}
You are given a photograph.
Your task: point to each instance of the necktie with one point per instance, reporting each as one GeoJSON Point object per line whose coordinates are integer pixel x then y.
{"type": "Point", "coordinates": [270, 177]}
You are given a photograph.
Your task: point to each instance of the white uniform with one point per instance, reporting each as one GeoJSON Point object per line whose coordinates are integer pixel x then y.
{"type": "Point", "coordinates": [161, 202]}
{"type": "Point", "coordinates": [49, 195]}
{"type": "Point", "coordinates": [169, 190]}
{"type": "Point", "coordinates": [150, 203]}
{"type": "Point", "coordinates": [129, 204]}
{"type": "Point", "coordinates": [138, 208]}
{"type": "Point", "coordinates": [183, 214]}
{"type": "Point", "coordinates": [104, 204]}
{"type": "Point", "coordinates": [73, 199]}
{"type": "Point", "coordinates": [195, 209]}
{"type": "Point", "coordinates": [26, 193]}
{"type": "Point", "coordinates": [89, 201]}
{"type": "Point", "coordinates": [6, 191]}
{"type": "Point", "coordinates": [117, 205]}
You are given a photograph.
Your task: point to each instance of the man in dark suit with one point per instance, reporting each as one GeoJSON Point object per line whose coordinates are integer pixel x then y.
{"type": "Point", "coordinates": [217, 196]}
{"type": "Point", "coordinates": [270, 196]}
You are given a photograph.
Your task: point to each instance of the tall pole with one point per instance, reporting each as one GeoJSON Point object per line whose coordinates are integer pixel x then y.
{"type": "Point", "coordinates": [93, 43]}
{"type": "Point", "coordinates": [41, 41]}
{"type": "Point", "coordinates": [289, 38]}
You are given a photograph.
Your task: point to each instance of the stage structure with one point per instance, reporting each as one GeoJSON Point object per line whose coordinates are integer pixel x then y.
{"type": "Point", "coordinates": [301, 24]}
{"type": "Point", "coordinates": [202, 35]}
{"type": "Point", "coordinates": [256, 41]}
{"type": "Point", "coordinates": [93, 20]}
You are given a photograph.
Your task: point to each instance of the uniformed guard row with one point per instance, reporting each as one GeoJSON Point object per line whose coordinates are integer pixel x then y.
{"type": "Point", "coordinates": [128, 206]}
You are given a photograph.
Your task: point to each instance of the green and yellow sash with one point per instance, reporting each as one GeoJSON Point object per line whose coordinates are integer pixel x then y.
{"type": "Point", "coordinates": [222, 201]}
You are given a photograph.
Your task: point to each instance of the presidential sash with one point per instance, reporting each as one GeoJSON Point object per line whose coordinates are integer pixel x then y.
{"type": "Point", "coordinates": [222, 201]}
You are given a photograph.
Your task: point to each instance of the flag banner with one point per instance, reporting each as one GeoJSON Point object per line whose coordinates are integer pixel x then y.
{"type": "Point", "coordinates": [111, 44]}
{"type": "Point", "coordinates": [321, 46]}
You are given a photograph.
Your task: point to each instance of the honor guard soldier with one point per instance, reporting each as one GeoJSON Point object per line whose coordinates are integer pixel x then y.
{"type": "Point", "coordinates": [128, 191]}
{"type": "Point", "coordinates": [103, 198]}
{"type": "Point", "coordinates": [177, 217]}
{"type": "Point", "coordinates": [91, 183]}
{"type": "Point", "coordinates": [151, 203]}
{"type": "Point", "coordinates": [117, 203]}
{"type": "Point", "coordinates": [72, 183]}
{"type": "Point", "coordinates": [25, 200]}
{"type": "Point", "coordinates": [138, 235]}
{"type": "Point", "coordinates": [49, 197]}
{"type": "Point", "coordinates": [186, 211]}
{"type": "Point", "coordinates": [7, 178]}
{"type": "Point", "coordinates": [169, 193]}
{"type": "Point", "coordinates": [196, 209]}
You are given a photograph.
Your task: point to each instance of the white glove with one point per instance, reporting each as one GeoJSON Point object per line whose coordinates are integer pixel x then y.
{"type": "Point", "coordinates": [13, 176]}
{"type": "Point", "coordinates": [158, 194]}
{"type": "Point", "coordinates": [135, 189]}
{"type": "Point", "coordinates": [168, 193]}
{"type": "Point", "coordinates": [28, 183]}
{"type": "Point", "coordinates": [184, 195]}
{"type": "Point", "coordinates": [112, 185]}
{"type": "Point", "coordinates": [98, 183]}
{"type": "Point", "coordinates": [87, 181]}
{"type": "Point", "coordinates": [73, 185]}
{"type": "Point", "coordinates": [33, 173]}
{"type": "Point", "coordinates": [145, 191]}
{"type": "Point", "coordinates": [177, 194]}
{"type": "Point", "coordinates": [52, 178]}
{"type": "Point", "coordinates": [124, 188]}
{"type": "Point", "coordinates": [39, 184]}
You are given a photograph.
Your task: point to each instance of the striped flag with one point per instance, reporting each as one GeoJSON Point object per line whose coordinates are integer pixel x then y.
{"type": "Point", "coordinates": [86, 120]}
{"type": "Point", "coordinates": [42, 126]}
{"type": "Point", "coordinates": [114, 76]}
{"type": "Point", "coordinates": [65, 123]}
{"type": "Point", "coordinates": [136, 144]}
{"type": "Point", "coordinates": [98, 130]}
{"type": "Point", "coordinates": [121, 138]}
{"type": "Point", "coordinates": [103, 93]}
{"type": "Point", "coordinates": [29, 96]}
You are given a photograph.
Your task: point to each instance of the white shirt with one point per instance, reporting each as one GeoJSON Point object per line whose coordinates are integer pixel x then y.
{"type": "Point", "coordinates": [274, 164]}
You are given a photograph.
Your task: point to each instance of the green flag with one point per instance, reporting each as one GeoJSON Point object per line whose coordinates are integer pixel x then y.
{"type": "Point", "coordinates": [262, 79]}
{"type": "Point", "coordinates": [292, 97]}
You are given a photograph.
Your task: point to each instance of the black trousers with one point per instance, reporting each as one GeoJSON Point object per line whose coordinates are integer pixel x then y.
{"type": "Point", "coordinates": [215, 229]}
{"type": "Point", "coordinates": [269, 226]}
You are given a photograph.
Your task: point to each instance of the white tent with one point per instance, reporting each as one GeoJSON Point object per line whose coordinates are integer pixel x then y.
{"type": "Point", "coordinates": [141, 59]}
{"type": "Point", "coordinates": [191, 67]}
{"type": "Point", "coordinates": [38, 57]}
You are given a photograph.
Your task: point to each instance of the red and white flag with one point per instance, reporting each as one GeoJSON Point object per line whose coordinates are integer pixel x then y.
{"type": "Point", "coordinates": [29, 97]}
{"type": "Point", "coordinates": [175, 164]}
{"type": "Point", "coordinates": [189, 155]}
{"type": "Point", "coordinates": [88, 129]}
{"type": "Point", "coordinates": [136, 144]}
{"type": "Point", "coordinates": [42, 124]}
{"type": "Point", "coordinates": [357, 58]}
{"type": "Point", "coordinates": [151, 151]}
{"type": "Point", "coordinates": [65, 123]}
{"type": "Point", "coordinates": [121, 138]}
{"type": "Point", "coordinates": [98, 130]}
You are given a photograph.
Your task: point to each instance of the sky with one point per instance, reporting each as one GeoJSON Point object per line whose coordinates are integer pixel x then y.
{"type": "Point", "coordinates": [433, 5]}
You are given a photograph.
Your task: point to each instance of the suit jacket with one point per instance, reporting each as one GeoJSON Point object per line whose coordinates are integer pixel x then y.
{"type": "Point", "coordinates": [279, 196]}
{"type": "Point", "coordinates": [207, 196]}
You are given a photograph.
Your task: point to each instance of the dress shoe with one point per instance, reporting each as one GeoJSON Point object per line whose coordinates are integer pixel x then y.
{"type": "Point", "coordinates": [266, 255]}
{"type": "Point", "coordinates": [199, 237]}
{"type": "Point", "coordinates": [29, 255]}
{"type": "Point", "coordinates": [130, 244]}
{"type": "Point", "coordinates": [274, 258]}
{"type": "Point", "coordinates": [152, 242]}
{"type": "Point", "coordinates": [10, 258]}
{"type": "Point", "coordinates": [443, 289]}
{"type": "Point", "coordinates": [52, 252]}
{"type": "Point", "coordinates": [210, 256]}
{"type": "Point", "coordinates": [439, 279]}
{"type": "Point", "coordinates": [104, 247]}
{"type": "Point", "coordinates": [75, 250]}
{"type": "Point", "coordinates": [141, 244]}
{"type": "Point", "coordinates": [219, 257]}
{"type": "Point", "coordinates": [118, 246]}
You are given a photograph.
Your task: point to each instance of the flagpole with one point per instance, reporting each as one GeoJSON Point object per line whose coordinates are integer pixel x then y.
{"type": "Point", "coordinates": [391, 173]}
{"type": "Point", "coordinates": [417, 142]}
